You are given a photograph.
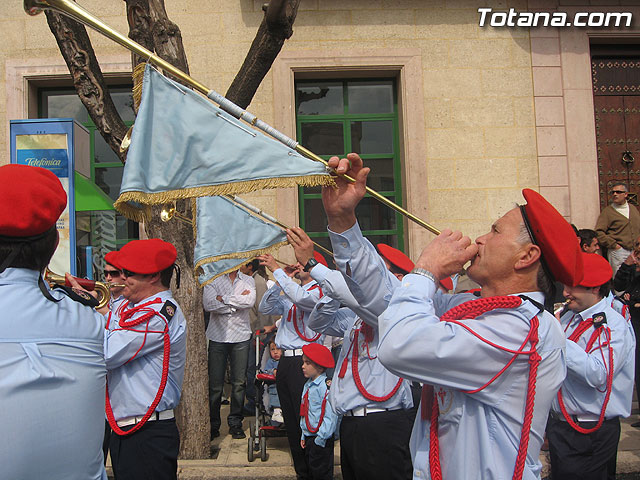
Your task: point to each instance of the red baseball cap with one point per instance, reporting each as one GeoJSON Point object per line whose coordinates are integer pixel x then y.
{"type": "Point", "coordinates": [112, 259]}
{"type": "Point", "coordinates": [320, 258]}
{"type": "Point", "coordinates": [33, 198]}
{"type": "Point", "coordinates": [319, 354]}
{"type": "Point", "coordinates": [561, 254]}
{"type": "Point", "coordinates": [597, 270]}
{"type": "Point", "coordinates": [395, 257]}
{"type": "Point", "coordinates": [145, 256]}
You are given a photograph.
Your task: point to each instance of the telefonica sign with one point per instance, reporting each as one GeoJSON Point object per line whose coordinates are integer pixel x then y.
{"type": "Point", "coordinates": [43, 162]}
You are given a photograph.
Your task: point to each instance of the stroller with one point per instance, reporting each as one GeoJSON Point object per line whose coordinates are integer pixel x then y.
{"type": "Point", "coordinates": [262, 429]}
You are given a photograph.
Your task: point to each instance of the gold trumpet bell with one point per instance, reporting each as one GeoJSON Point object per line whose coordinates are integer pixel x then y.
{"type": "Point", "coordinates": [169, 211]}
{"type": "Point", "coordinates": [100, 287]}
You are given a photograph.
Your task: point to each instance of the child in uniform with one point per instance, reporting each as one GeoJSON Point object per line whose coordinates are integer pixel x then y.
{"type": "Point", "coordinates": [317, 418]}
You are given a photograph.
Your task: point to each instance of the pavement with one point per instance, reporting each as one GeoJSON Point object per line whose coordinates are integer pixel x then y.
{"type": "Point", "coordinates": [229, 457]}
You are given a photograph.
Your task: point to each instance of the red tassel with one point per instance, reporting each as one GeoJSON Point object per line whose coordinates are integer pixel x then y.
{"type": "Point", "coordinates": [426, 401]}
{"type": "Point", "coordinates": [343, 368]}
{"type": "Point", "coordinates": [367, 331]}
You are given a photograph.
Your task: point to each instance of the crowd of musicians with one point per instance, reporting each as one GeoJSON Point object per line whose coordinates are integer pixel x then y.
{"type": "Point", "coordinates": [426, 384]}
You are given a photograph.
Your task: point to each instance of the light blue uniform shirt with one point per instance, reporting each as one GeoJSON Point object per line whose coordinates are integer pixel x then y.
{"type": "Point", "coordinates": [328, 318]}
{"type": "Point", "coordinates": [279, 299]}
{"type": "Point", "coordinates": [52, 382]}
{"type": "Point", "coordinates": [479, 433]}
{"type": "Point", "coordinates": [583, 390]}
{"type": "Point", "coordinates": [134, 384]}
{"type": "Point", "coordinates": [317, 389]}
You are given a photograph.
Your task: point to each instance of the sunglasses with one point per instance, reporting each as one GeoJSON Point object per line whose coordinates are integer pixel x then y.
{"type": "Point", "coordinates": [619, 192]}
{"type": "Point", "coordinates": [113, 273]}
{"type": "Point", "coordinates": [129, 273]}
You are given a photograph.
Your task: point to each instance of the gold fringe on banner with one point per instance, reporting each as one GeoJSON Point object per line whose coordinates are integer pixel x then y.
{"type": "Point", "coordinates": [137, 76]}
{"type": "Point", "coordinates": [249, 255]}
{"type": "Point", "coordinates": [194, 214]}
{"type": "Point", "coordinates": [232, 188]}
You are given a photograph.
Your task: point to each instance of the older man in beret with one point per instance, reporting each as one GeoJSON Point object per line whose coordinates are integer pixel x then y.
{"type": "Point", "coordinates": [52, 368]}
{"type": "Point", "coordinates": [145, 350]}
{"type": "Point", "coordinates": [491, 365]}
{"type": "Point", "coordinates": [584, 424]}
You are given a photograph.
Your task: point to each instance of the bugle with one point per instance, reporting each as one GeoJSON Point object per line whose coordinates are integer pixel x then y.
{"type": "Point", "coordinates": [77, 13]}
{"type": "Point", "coordinates": [100, 287]}
{"type": "Point", "coordinates": [559, 307]}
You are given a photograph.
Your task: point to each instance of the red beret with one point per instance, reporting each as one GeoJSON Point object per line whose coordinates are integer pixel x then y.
{"type": "Point", "coordinates": [447, 283]}
{"type": "Point", "coordinates": [146, 256]}
{"type": "Point", "coordinates": [32, 198]}
{"type": "Point", "coordinates": [555, 237]}
{"type": "Point", "coordinates": [396, 257]}
{"type": "Point", "coordinates": [112, 259]}
{"type": "Point", "coordinates": [320, 259]}
{"type": "Point", "coordinates": [319, 354]}
{"type": "Point", "coordinates": [597, 270]}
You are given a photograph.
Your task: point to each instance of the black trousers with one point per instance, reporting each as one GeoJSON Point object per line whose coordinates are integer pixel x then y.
{"type": "Point", "coordinates": [289, 383]}
{"type": "Point", "coordinates": [578, 456]}
{"type": "Point", "coordinates": [106, 440]}
{"type": "Point", "coordinates": [149, 454]}
{"type": "Point", "coordinates": [376, 447]}
{"type": "Point", "coordinates": [319, 459]}
{"type": "Point", "coordinates": [635, 323]}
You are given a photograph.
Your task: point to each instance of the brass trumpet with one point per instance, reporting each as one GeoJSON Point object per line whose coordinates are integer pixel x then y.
{"type": "Point", "coordinates": [101, 287]}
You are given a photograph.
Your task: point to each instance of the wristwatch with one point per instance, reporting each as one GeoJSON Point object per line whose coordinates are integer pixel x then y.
{"type": "Point", "coordinates": [310, 264]}
{"type": "Point", "coordinates": [425, 273]}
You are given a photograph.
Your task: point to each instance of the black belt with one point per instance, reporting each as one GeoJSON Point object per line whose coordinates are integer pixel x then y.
{"type": "Point", "coordinates": [558, 416]}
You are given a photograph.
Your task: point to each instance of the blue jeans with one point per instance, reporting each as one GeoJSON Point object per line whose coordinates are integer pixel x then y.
{"type": "Point", "coordinates": [274, 401]}
{"type": "Point", "coordinates": [236, 354]}
{"type": "Point", "coordinates": [250, 393]}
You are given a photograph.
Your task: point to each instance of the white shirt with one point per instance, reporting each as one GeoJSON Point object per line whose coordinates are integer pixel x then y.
{"type": "Point", "coordinates": [229, 320]}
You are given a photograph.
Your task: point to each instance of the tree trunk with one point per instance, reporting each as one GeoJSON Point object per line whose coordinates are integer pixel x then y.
{"type": "Point", "coordinates": [150, 26]}
{"type": "Point", "coordinates": [192, 414]}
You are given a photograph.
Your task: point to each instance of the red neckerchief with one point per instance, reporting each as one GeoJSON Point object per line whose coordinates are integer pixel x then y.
{"type": "Point", "coordinates": [368, 334]}
{"type": "Point", "coordinates": [125, 324]}
{"type": "Point", "coordinates": [304, 411]}
{"type": "Point", "coordinates": [293, 313]}
{"type": "Point", "coordinates": [582, 327]}
{"type": "Point", "coordinates": [470, 310]}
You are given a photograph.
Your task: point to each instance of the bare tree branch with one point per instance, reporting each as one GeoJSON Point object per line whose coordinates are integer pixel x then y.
{"type": "Point", "coordinates": [150, 26]}
{"type": "Point", "coordinates": [88, 80]}
{"type": "Point", "coordinates": [276, 27]}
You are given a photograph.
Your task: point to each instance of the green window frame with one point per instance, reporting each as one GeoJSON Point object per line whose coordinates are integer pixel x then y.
{"type": "Point", "coordinates": [103, 161]}
{"type": "Point", "coordinates": [351, 119]}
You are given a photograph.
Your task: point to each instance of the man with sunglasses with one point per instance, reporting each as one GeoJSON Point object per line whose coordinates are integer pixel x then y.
{"type": "Point", "coordinates": [618, 226]}
{"type": "Point", "coordinates": [113, 275]}
{"type": "Point", "coordinates": [145, 351]}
